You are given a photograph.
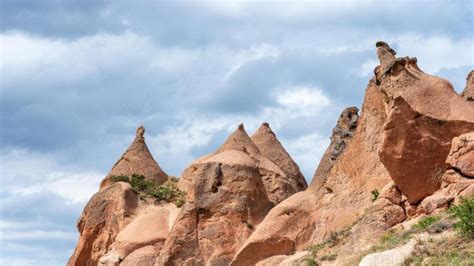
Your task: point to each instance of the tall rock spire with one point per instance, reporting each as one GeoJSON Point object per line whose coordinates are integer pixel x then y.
{"type": "Point", "coordinates": [137, 159]}
{"type": "Point", "coordinates": [468, 92]}
{"type": "Point", "coordinates": [270, 147]}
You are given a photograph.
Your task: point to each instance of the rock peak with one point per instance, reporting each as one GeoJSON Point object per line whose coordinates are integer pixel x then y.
{"type": "Point", "coordinates": [137, 159]}
{"type": "Point", "coordinates": [239, 140]}
{"type": "Point", "coordinates": [384, 45]}
{"type": "Point", "coordinates": [265, 124]}
{"type": "Point", "coordinates": [140, 132]}
{"type": "Point", "coordinates": [468, 93]}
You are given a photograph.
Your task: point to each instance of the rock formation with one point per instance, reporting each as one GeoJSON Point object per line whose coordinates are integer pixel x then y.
{"type": "Point", "coordinates": [226, 201]}
{"type": "Point", "coordinates": [468, 93]}
{"type": "Point", "coordinates": [334, 200]}
{"type": "Point", "coordinates": [137, 159]}
{"type": "Point", "coordinates": [461, 155]}
{"type": "Point", "coordinates": [116, 205]}
{"type": "Point", "coordinates": [424, 115]}
{"type": "Point", "coordinates": [270, 147]}
{"type": "Point", "coordinates": [408, 154]}
{"type": "Point", "coordinates": [104, 216]}
{"type": "Point", "coordinates": [341, 136]}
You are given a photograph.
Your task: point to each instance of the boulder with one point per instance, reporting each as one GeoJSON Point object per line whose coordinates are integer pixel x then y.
{"type": "Point", "coordinates": [279, 186]}
{"type": "Point", "coordinates": [468, 93]}
{"type": "Point", "coordinates": [461, 155]}
{"type": "Point", "coordinates": [108, 211]}
{"type": "Point", "coordinates": [144, 256]}
{"type": "Point", "coordinates": [391, 257]}
{"type": "Point", "coordinates": [424, 115]}
{"type": "Point", "coordinates": [299, 258]}
{"type": "Point", "coordinates": [226, 201]}
{"type": "Point", "coordinates": [146, 229]}
{"type": "Point", "coordinates": [137, 159]}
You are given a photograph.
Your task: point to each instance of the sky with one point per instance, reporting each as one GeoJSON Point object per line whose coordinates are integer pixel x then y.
{"type": "Point", "coordinates": [78, 77]}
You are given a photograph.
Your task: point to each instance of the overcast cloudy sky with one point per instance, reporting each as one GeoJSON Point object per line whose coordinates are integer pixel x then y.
{"type": "Point", "coordinates": [77, 78]}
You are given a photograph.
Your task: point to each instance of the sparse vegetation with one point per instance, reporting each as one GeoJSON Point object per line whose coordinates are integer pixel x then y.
{"type": "Point", "coordinates": [425, 222]}
{"type": "Point", "coordinates": [375, 194]}
{"type": "Point", "coordinates": [334, 239]}
{"type": "Point", "coordinates": [168, 191]}
{"type": "Point", "coordinates": [464, 215]}
{"type": "Point", "coordinates": [445, 251]}
{"type": "Point", "coordinates": [329, 257]}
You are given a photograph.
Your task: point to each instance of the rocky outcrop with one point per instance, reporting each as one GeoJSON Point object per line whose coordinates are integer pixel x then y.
{"type": "Point", "coordinates": [468, 93]}
{"type": "Point", "coordinates": [281, 186]}
{"type": "Point", "coordinates": [424, 114]}
{"type": "Point", "coordinates": [107, 212]}
{"type": "Point", "coordinates": [147, 231]}
{"type": "Point", "coordinates": [137, 159]}
{"type": "Point", "coordinates": [341, 135]}
{"type": "Point", "coordinates": [461, 155]}
{"type": "Point", "coordinates": [112, 210]}
{"type": "Point", "coordinates": [226, 201]}
{"type": "Point", "coordinates": [336, 200]}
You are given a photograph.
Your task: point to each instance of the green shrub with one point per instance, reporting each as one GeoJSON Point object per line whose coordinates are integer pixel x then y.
{"type": "Point", "coordinates": [424, 222]}
{"type": "Point", "coordinates": [311, 261]}
{"type": "Point", "coordinates": [375, 194]}
{"type": "Point", "coordinates": [120, 178]}
{"type": "Point", "coordinates": [168, 191]}
{"type": "Point", "coordinates": [464, 214]}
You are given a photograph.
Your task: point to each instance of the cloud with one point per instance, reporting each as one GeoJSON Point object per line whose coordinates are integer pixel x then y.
{"type": "Point", "coordinates": [25, 173]}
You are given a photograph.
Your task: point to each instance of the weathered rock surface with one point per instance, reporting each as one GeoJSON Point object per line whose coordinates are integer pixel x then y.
{"type": "Point", "coordinates": [299, 258]}
{"type": "Point", "coordinates": [391, 257]}
{"type": "Point", "coordinates": [332, 202]}
{"type": "Point", "coordinates": [107, 212]}
{"type": "Point", "coordinates": [468, 93]}
{"type": "Point", "coordinates": [341, 134]}
{"type": "Point", "coordinates": [424, 114]}
{"type": "Point", "coordinates": [137, 159]}
{"type": "Point", "coordinates": [226, 201]}
{"type": "Point", "coordinates": [461, 155]}
{"type": "Point", "coordinates": [281, 186]}
{"type": "Point", "coordinates": [112, 208]}
{"type": "Point", "coordinates": [144, 256]}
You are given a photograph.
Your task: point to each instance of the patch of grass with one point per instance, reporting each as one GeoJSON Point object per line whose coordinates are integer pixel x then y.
{"type": "Point", "coordinates": [424, 222]}
{"type": "Point", "coordinates": [464, 215]}
{"type": "Point", "coordinates": [329, 257]}
{"type": "Point", "coordinates": [168, 191]}
{"type": "Point", "coordinates": [311, 261]}
{"type": "Point", "coordinates": [120, 178]}
{"type": "Point", "coordinates": [455, 251]}
{"type": "Point", "coordinates": [375, 194]}
{"type": "Point", "coordinates": [393, 238]}
{"type": "Point", "coordinates": [334, 239]}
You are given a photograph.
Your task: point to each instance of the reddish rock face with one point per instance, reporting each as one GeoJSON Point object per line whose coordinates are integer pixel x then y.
{"type": "Point", "coordinates": [226, 201]}
{"type": "Point", "coordinates": [115, 205]}
{"type": "Point", "coordinates": [337, 199]}
{"type": "Point", "coordinates": [461, 155]}
{"type": "Point", "coordinates": [107, 212]}
{"type": "Point", "coordinates": [282, 186]}
{"type": "Point", "coordinates": [424, 114]}
{"type": "Point", "coordinates": [341, 136]}
{"type": "Point", "coordinates": [137, 159]}
{"type": "Point", "coordinates": [468, 93]}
